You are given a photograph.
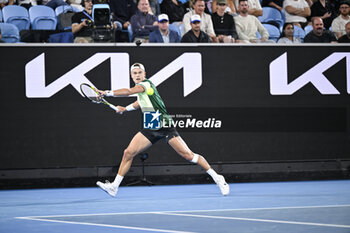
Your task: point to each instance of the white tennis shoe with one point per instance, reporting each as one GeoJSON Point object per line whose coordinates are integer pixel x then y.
{"type": "Point", "coordinates": [108, 188]}
{"type": "Point", "coordinates": [224, 187]}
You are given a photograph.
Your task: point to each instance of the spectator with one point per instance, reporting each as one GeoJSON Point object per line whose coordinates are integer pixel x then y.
{"type": "Point", "coordinates": [55, 3]}
{"type": "Point", "coordinates": [76, 4]}
{"type": "Point", "coordinates": [247, 25]}
{"type": "Point", "coordinates": [296, 12]}
{"type": "Point", "coordinates": [338, 24]}
{"type": "Point", "coordinates": [319, 34]}
{"type": "Point", "coordinates": [174, 9]}
{"type": "Point", "coordinates": [154, 7]}
{"type": "Point", "coordinates": [26, 3]}
{"type": "Point", "coordinates": [163, 34]}
{"type": "Point", "coordinates": [195, 34]}
{"type": "Point", "coordinates": [325, 10]}
{"type": "Point", "coordinates": [231, 9]}
{"type": "Point", "coordinates": [345, 38]}
{"type": "Point", "coordinates": [122, 10]}
{"type": "Point", "coordinates": [4, 3]}
{"type": "Point", "coordinates": [254, 7]}
{"type": "Point", "coordinates": [142, 22]}
{"type": "Point", "coordinates": [278, 4]}
{"type": "Point", "coordinates": [287, 35]}
{"type": "Point", "coordinates": [82, 24]}
{"type": "Point", "coordinates": [206, 22]}
{"type": "Point", "coordinates": [224, 23]}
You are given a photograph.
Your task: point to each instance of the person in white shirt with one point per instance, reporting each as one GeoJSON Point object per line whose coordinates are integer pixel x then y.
{"type": "Point", "coordinates": [254, 7]}
{"type": "Point", "coordinates": [247, 25]}
{"type": "Point", "coordinates": [287, 35]}
{"type": "Point", "coordinates": [296, 12]}
{"type": "Point", "coordinates": [338, 24]}
{"type": "Point", "coordinates": [206, 22]}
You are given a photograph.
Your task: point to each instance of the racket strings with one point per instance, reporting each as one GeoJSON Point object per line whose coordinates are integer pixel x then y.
{"type": "Point", "coordinates": [91, 94]}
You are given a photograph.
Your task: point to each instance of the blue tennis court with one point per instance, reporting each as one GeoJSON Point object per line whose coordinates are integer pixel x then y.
{"type": "Point", "coordinates": [313, 206]}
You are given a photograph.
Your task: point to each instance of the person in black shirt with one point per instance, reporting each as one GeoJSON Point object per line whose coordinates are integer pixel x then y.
{"type": "Point", "coordinates": [325, 10]}
{"type": "Point", "coordinates": [318, 34]}
{"type": "Point", "coordinates": [224, 23]}
{"type": "Point", "coordinates": [122, 10]}
{"type": "Point", "coordinates": [195, 35]}
{"type": "Point", "coordinates": [174, 9]}
{"type": "Point", "coordinates": [81, 24]}
{"type": "Point", "coordinates": [345, 38]}
{"type": "Point", "coordinates": [278, 4]}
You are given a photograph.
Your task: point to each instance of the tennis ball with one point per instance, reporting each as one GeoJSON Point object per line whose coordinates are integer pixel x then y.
{"type": "Point", "coordinates": [150, 91]}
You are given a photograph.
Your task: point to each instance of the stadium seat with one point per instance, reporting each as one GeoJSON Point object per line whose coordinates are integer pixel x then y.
{"type": "Point", "coordinates": [271, 14]}
{"type": "Point", "coordinates": [308, 29]}
{"type": "Point", "coordinates": [299, 33]}
{"type": "Point", "coordinates": [274, 32]}
{"type": "Point", "coordinates": [63, 9]}
{"type": "Point", "coordinates": [42, 18]}
{"type": "Point", "coordinates": [176, 26]}
{"type": "Point", "coordinates": [16, 15]}
{"type": "Point", "coordinates": [9, 33]}
{"type": "Point", "coordinates": [64, 15]}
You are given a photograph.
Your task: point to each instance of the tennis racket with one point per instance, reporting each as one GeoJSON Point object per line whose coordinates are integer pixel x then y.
{"type": "Point", "coordinates": [92, 94]}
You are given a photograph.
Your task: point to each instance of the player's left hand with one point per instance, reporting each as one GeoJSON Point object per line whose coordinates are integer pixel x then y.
{"type": "Point", "coordinates": [121, 109]}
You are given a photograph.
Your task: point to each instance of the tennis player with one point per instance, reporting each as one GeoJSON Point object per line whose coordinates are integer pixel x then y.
{"type": "Point", "coordinates": [148, 99]}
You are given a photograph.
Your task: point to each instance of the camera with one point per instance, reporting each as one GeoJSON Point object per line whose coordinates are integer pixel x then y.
{"type": "Point", "coordinates": [88, 22]}
{"type": "Point", "coordinates": [138, 42]}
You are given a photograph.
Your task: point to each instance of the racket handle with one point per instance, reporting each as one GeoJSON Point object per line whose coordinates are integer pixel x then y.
{"type": "Point", "coordinates": [113, 107]}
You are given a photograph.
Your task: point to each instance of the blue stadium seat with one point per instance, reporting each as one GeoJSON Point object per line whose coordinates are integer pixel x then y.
{"type": "Point", "coordinates": [308, 29]}
{"type": "Point", "coordinates": [274, 32]}
{"type": "Point", "coordinates": [16, 15]}
{"type": "Point", "coordinates": [63, 9]}
{"type": "Point", "coordinates": [9, 33]}
{"type": "Point", "coordinates": [42, 18]}
{"type": "Point", "coordinates": [176, 27]}
{"type": "Point", "coordinates": [64, 21]}
{"type": "Point", "coordinates": [271, 14]}
{"type": "Point", "coordinates": [299, 33]}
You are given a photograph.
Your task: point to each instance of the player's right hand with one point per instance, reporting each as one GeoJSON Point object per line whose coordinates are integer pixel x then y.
{"type": "Point", "coordinates": [102, 93]}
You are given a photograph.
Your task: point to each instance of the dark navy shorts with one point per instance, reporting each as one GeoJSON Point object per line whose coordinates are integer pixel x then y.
{"type": "Point", "coordinates": [163, 133]}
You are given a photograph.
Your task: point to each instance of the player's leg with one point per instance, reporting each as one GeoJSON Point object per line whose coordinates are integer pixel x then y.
{"type": "Point", "coordinates": [179, 145]}
{"type": "Point", "coordinates": [138, 144]}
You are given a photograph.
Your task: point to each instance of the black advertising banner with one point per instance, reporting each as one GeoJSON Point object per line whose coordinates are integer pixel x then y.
{"type": "Point", "coordinates": [229, 103]}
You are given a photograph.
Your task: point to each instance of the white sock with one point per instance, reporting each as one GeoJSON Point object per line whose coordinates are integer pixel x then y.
{"type": "Point", "coordinates": [213, 174]}
{"type": "Point", "coordinates": [118, 179]}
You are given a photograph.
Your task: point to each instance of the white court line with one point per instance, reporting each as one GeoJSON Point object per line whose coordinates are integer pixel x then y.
{"type": "Point", "coordinates": [186, 211]}
{"type": "Point", "coordinates": [256, 220]}
{"type": "Point", "coordinates": [105, 225]}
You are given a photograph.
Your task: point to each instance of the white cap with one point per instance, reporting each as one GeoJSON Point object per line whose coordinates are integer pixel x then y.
{"type": "Point", "coordinates": [195, 18]}
{"type": "Point", "coordinates": [162, 17]}
{"type": "Point", "coordinates": [137, 66]}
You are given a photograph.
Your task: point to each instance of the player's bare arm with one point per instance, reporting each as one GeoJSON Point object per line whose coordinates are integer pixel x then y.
{"type": "Point", "coordinates": [130, 107]}
{"type": "Point", "coordinates": [124, 92]}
